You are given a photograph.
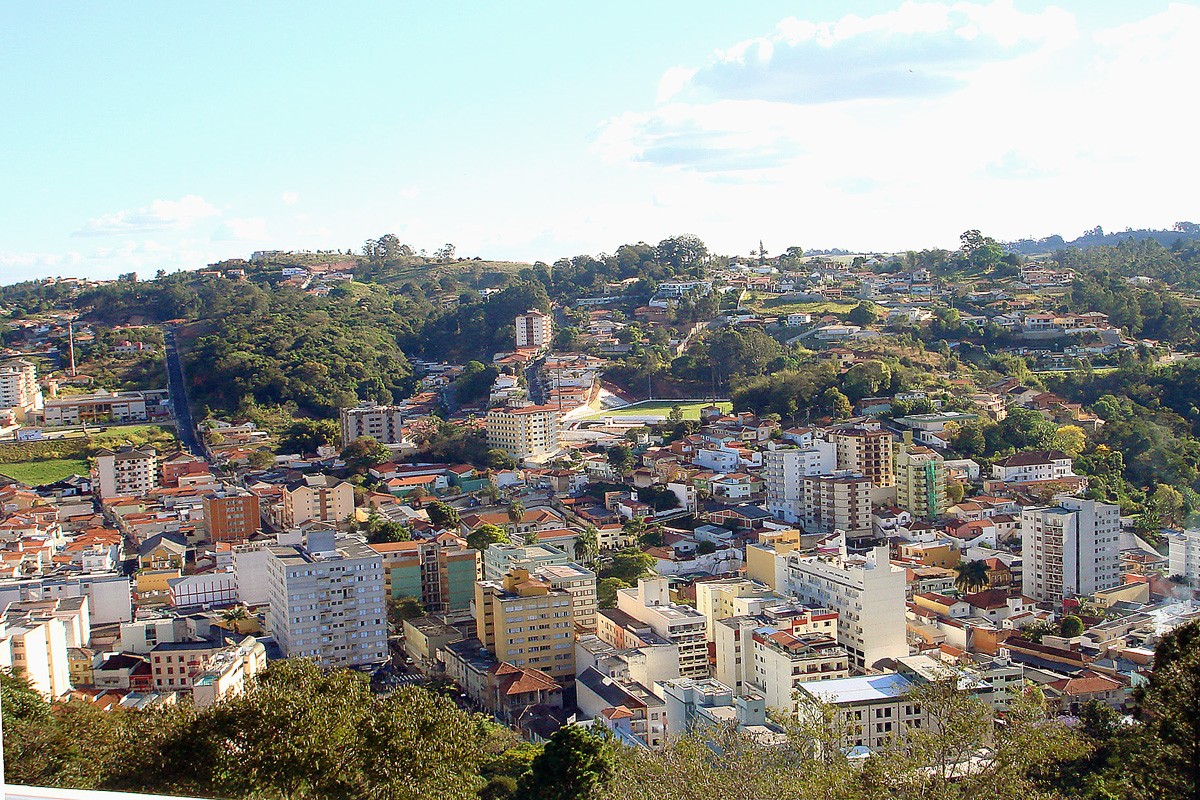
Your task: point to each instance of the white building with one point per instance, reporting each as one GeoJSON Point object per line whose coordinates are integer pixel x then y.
{"type": "Point", "coordinates": [327, 600]}
{"type": "Point", "coordinates": [534, 329]}
{"type": "Point", "coordinates": [870, 710]}
{"type": "Point", "coordinates": [20, 395]}
{"type": "Point", "coordinates": [781, 661]}
{"type": "Point", "coordinates": [866, 592]}
{"type": "Point", "coordinates": [1034, 465]}
{"type": "Point", "coordinates": [384, 424]}
{"type": "Point", "coordinates": [126, 471]}
{"type": "Point", "coordinates": [784, 470]}
{"type": "Point", "coordinates": [1184, 556]}
{"type": "Point", "coordinates": [650, 603]}
{"type": "Point", "coordinates": [1070, 550]}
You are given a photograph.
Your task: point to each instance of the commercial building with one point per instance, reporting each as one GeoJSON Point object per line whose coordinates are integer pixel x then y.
{"type": "Point", "coordinates": [98, 409]}
{"type": "Point", "coordinates": [921, 481]}
{"type": "Point", "coordinates": [650, 603]}
{"type": "Point", "coordinates": [839, 502]}
{"type": "Point", "coordinates": [867, 452]}
{"type": "Point", "coordinates": [326, 599]}
{"type": "Point", "coordinates": [866, 592]}
{"type": "Point", "coordinates": [126, 471]}
{"type": "Point", "coordinates": [231, 515]}
{"type": "Point", "coordinates": [384, 424]}
{"type": "Point", "coordinates": [20, 395]}
{"type": "Point", "coordinates": [1070, 550]}
{"type": "Point", "coordinates": [870, 710]}
{"type": "Point", "coordinates": [523, 620]}
{"type": "Point", "coordinates": [525, 431]}
{"type": "Point", "coordinates": [784, 470]}
{"type": "Point", "coordinates": [317, 497]}
{"type": "Point", "coordinates": [534, 329]}
{"type": "Point", "coordinates": [441, 572]}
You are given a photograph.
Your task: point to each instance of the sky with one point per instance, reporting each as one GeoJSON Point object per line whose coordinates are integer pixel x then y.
{"type": "Point", "coordinates": [151, 135]}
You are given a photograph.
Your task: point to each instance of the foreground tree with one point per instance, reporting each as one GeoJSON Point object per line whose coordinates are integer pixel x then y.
{"type": "Point", "coordinates": [574, 765]}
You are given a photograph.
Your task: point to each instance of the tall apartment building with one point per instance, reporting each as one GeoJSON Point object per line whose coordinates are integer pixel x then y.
{"type": "Point", "coordinates": [523, 620]}
{"type": "Point", "coordinates": [866, 592]}
{"type": "Point", "coordinates": [1070, 550]}
{"type": "Point", "coordinates": [733, 637]}
{"type": "Point", "coordinates": [650, 603]}
{"type": "Point", "coordinates": [867, 452]}
{"type": "Point", "coordinates": [838, 502]}
{"type": "Point", "coordinates": [231, 515]}
{"type": "Point", "coordinates": [441, 573]}
{"type": "Point", "coordinates": [317, 497]}
{"type": "Point", "coordinates": [781, 661]}
{"type": "Point", "coordinates": [20, 395]}
{"type": "Point", "coordinates": [534, 329]}
{"type": "Point", "coordinates": [126, 471]}
{"type": "Point", "coordinates": [921, 481]}
{"type": "Point", "coordinates": [731, 597]}
{"type": "Point", "coordinates": [326, 598]}
{"type": "Point", "coordinates": [384, 424]}
{"type": "Point", "coordinates": [525, 431]}
{"type": "Point", "coordinates": [1183, 556]}
{"type": "Point", "coordinates": [784, 471]}
{"type": "Point", "coordinates": [36, 637]}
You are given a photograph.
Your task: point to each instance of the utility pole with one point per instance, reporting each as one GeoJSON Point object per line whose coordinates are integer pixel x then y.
{"type": "Point", "coordinates": [71, 344]}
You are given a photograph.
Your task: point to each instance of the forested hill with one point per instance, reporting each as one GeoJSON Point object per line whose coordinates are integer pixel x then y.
{"type": "Point", "coordinates": [1180, 231]}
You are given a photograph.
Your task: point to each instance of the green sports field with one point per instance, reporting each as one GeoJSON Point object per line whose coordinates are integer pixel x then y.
{"type": "Point", "coordinates": [661, 408]}
{"type": "Point", "coordinates": [38, 473]}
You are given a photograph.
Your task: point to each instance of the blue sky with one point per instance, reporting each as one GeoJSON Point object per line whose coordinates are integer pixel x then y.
{"type": "Point", "coordinates": [144, 135]}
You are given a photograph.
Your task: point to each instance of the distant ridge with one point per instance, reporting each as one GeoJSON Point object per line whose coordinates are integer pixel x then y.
{"type": "Point", "coordinates": [1098, 236]}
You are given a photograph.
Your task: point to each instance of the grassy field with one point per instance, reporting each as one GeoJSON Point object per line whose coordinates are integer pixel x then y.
{"type": "Point", "coordinates": [775, 304]}
{"type": "Point", "coordinates": [37, 473]}
{"type": "Point", "coordinates": [647, 408]}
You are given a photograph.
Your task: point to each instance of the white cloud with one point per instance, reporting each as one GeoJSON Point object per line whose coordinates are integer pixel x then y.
{"type": "Point", "coordinates": [242, 229]}
{"type": "Point", "coordinates": [290, 198]}
{"type": "Point", "coordinates": [159, 215]}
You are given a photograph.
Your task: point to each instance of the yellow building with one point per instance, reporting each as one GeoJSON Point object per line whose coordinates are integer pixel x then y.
{"type": "Point", "coordinates": [523, 621]}
{"type": "Point", "coordinates": [525, 431]}
{"type": "Point", "coordinates": [921, 481]}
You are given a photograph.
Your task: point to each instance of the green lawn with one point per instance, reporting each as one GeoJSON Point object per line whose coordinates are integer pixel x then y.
{"type": "Point", "coordinates": [690, 408]}
{"type": "Point", "coordinates": [36, 473]}
{"type": "Point", "coordinates": [780, 306]}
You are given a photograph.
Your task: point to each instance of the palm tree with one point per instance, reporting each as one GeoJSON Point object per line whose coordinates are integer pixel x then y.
{"type": "Point", "coordinates": [972, 576]}
{"type": "Point", "coordinates": [516, 511]}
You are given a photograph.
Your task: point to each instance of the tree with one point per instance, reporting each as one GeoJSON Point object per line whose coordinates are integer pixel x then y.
{"type": "Point", "coordinates": [629, 565]}
{"type": "Point", "coordinates": [1070, 439]}
{"type": "Point", "coordinates": [620, 457]}
{"type": "Point", "coordinates": [1168, 502]}
{"type": "Point", "coordinates": [516, 512]}
{"type": "Point", "coordinates": [574, 765]}
{"type": "Point", "coordinates": [633, 528]}
{"type": "Point", "coordinates": [365, 452]}
{"type": "Point", "coordinates": [955, 492]}
{"type": "Point", "coordinates": [443, 515]}
{"type": "Point", "coordinates": [681, 252]}
{"type": "Point", "coordinates": [971, 576]}
{"type": "Point", "coordinates": [486, 535]}
{"type": "Point", "coordinates": [1169, 708]}
{"type": "Point", "coordinates": [261, 459]}
{"type": "Point", "coordinates": [402, 608]}
{"type": "Point", "coordinates": [587, 545]}
{"type": "Point", "coordinates": [606, 591]}
{"type": "Point", "coordinates": [675, 414]}
{"type": "Point", "coordinates": [836, 403]}
{"type": "Point", "coordinates": [705, 547]}
{"type": "Point", "coordinates": [1070, 626]}
{"type": "Point", "coordinates": [864, 314]}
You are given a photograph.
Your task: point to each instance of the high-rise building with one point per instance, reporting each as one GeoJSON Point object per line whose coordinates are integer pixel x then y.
{"type": "Point", "coordinates": [921, 481]}
{"type": "Point", "coordinates": [867, 452]}
{"type": "Point", "coordinates": [1184, 556]}
{"type": "Point", "coordinates": [441, 572]}
{"type": "Point", "coordinates": [525, 431]}
{"type": "Point", "coordinates": [733, 637]}
{"type": "Point", "coordinates": [650, 603]}
{"type": "Point", "coordinates": [533, 329]}
{"type": "Point", "coordinates": [317, 497]}
{"type": "Point", "coordinates": [126, 471]}
{"type": "Point", "coordinates": [784, 470]}
{"type": "Point", "coordinates": [866, 592]}
{"type": "Point", "coordinates": [780, 661]}
{"type": "Point", "coordinates": [20, 395]}
{"type": "Point", "coordinates": [1070, 550]}
{"type": "Point", "coordinates": [326, 598]}
{"type": "Point", "coordinates": [384, 424]}
{"type": "Point", "coordinates": [231, 515]}
{"type": "Point", "coordinates": [838, 502]}
{"type": "Point", "coordinates": [523, 620]}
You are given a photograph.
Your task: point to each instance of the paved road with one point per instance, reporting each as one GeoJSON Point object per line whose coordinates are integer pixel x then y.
{"type": "Point", "coordinates": [179, 401]}
{"type": "Point", "coordinates": [536, 396]}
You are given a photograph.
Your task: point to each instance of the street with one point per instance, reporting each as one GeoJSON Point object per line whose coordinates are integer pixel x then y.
{"type": "Point", "coordinates": [178, 395]}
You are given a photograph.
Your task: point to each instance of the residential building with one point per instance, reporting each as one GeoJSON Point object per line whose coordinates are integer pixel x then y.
{"type": "Point", "coordinates": [507, 691]}
{"type": "Point", "coordinates": [868, 452]}
{"type": "Point", "coordinates": [20, 395]}
{"type": "Point", "coordinates": [866, 592]}
{"type": "Point", "coordinates": [1070, 550]}
{"type": "Point", "coordinates": [228, 672]}
{"type": "Point", "coordinates": [921, 481]}
{"type": "Point", "coordinates": [840, 502]}
{"type": "Point", "coordinates": [647, 658]}
{"type": "Point", "coordinates": [694, 704]}
{"type": "Point", "coordinates": [534, 329]}
{"type": "Point", "coordinates": [525, 431]}
{"type": "Point", "coordinates": [384, 424]}
{"type": "Point", "coordinates": [784, 470]}
{"type": "Point", "coordinates": [126, 471]}
{"type": "Point", "coordinates": [650, 603]}
{"type": "Point", "coordinates": [441, 572]}
{"type": "Point", "coordinates": [1184, 556]}
{"type": "Point", "coordinates": [731, 597]}
{"type": "Point", "coordinates": [733, 637]}
{"type": "Point", "coordinates": [627, 708]}
{"type": "Point", "coordinates": [523, 620]}
{"type": "Point", "coordinates": [1033, 465]}
{"type": "Point", "coordinates": [870, 710]}
{"type": "Point", "coordinates": [326, 599]}
{"type": "Point", "coordinates": [780, 661]}
{"type": "Point", "coordinates": [231, 515]}
{"type": "Point", "coordinates": [36, 637]}
{"type": "Point", "coordinates": [320, 498]}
